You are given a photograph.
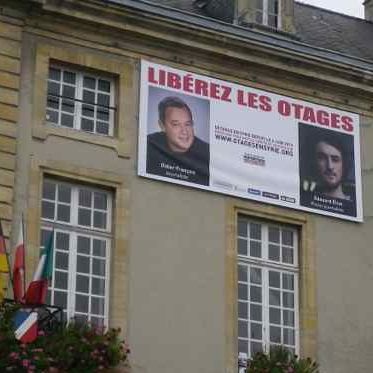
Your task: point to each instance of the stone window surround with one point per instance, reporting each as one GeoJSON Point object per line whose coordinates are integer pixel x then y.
{"type": "Point", "coordinates": [41, 170]}
{"type": "Point", "coordinates": [123, 71]}
{"type": "Point", "coordinates": [307, 274]}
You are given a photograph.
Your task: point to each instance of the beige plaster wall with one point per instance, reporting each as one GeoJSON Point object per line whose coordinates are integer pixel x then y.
{"type": "Point", "coordinates": [169, 268]}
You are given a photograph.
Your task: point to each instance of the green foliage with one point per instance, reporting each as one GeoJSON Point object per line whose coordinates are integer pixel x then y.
{"type": "Point", "coordinates": [74, 349]}
{"type": "Point", "coordinates": [280, 360]}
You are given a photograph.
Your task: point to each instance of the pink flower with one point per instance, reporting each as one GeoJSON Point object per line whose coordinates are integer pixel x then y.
{"type": "Point", "coordinates": [14, 355]}
{"type": "Point", "coordinates": [41, 333]}
{"type": "Point", "coordinates": [25, 363]}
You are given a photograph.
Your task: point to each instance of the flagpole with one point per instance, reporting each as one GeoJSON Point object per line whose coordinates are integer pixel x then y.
{"type": "Point", "coordinates": [7, 257]}
{"type": "Point", "coordinates": [24, 254]}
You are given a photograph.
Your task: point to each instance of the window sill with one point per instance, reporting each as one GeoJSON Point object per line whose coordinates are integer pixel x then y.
{"type": "Point", "coordinates": [42, 132]}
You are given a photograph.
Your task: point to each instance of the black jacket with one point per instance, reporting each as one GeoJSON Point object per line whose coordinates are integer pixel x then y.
{"type": "Point", "coordinates": [191, 166]}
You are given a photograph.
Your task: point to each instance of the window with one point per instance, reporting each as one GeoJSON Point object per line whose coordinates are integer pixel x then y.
{"type": "Point", "coordinates": [267, 12]}
{"type": "Point", "coordinates": [81, 218]}
{"type": "Point", "coordinates": [80, 100]}
{"type": "Point", "coordinates": [267, 286]}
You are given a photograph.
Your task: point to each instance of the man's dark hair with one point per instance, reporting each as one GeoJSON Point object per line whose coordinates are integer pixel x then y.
{"type": "Point", "coordinates": [335, 141]}
{"type": "Point", "coordinates": [172, 101]}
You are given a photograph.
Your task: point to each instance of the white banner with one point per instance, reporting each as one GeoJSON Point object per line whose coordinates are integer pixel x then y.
{"type": "Point", "coordinates": [223, 137]}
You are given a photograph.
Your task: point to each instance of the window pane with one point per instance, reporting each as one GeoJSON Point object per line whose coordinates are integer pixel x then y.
{"type": "Point", "coordinates": [255, 312]}
{"type": "Point", "coordinates": [255, 275]}
{"type": "Point", "coordinates": [242, 273]}
{"type": "Point", "coordinates": [272, 21]}
{"type": "Point", "coordinates": [242, 291]}
{"type": "Point", "coordinates": [242, 329]}
{"type": "Point", "coordinates": [288, 281]}
{"type": "Point", "coordinates": [49, 190]}
{"type": "Point", "coordinates": [255, 347]}
{"type": "Point", "coordinates": [274, 253]}
{"type": "Point", "coordinates": [98, 286]}
{"type": "Point", "coordinates": [99, 248]}
{"type": "Point", "coordinates": [97, 306]}
{"type": "Point", "coordinates": [275, 334]}
{"type": "Point", "coordinates": [60, 280]}
{"type": "Point", "coordinates": [60, 299]}
{"type": "Point", "coordinates": [63, 213]}
{"type": "Point", "coordinates": [68, 91]}
{"type": "Point", "coordinates": [98, 267]}
{"type": "Point", "coordinates": [256, 331]}
{"type": "Point", "coordinates": [99, 220]}
{"type": "Point", "coordinates": [62, 241]}
{"type": "Point", "coordinates": [274, 279]}
{"type": "Point", "coordinates": [87, 125]}
{"type": "Point", "coordinates": [84, 245]}
{"type": "Point", "coordinates": [69, 77]}
{"type": "Point", "coordinates": [274, 234]}
{"type": "Point", "coordinates": [287, 255]}
{"type": "Point", "coordinates": [89, 82]}
{"type": "Point", "coordinates": [82, 284]}
{"type": "Point", "coordinates": [255, 249]}
{"type": "Point", "coordinates": [255, 231]}
{"type": "Point", "coordinates": [54, 88]}
{"type": "Point", "coordinates": [242, 228]}
{"type": "Point", "coordinates": [81, 303]}
{"type": "Point", "coordinates": [103, 100]}
{"type": "Point", "coordinates": [289, 337]}
{"type": "Point", "coordinates": [274, 297]}
{"type": "Point", "coordinates": [255, 294]}
{"type": "Point", "coordinates": [88, 111]}
{"type": "Point", "coordinates": [53, 102]}
{"type": "Point", "coordinates": [242, 310]}
{"type": "Point", "coordinates": [52, 116]}
{"type": "Point", "coordinates": [81, 319]}
{"type": "Point", "coordinates": [84, 217]}
{"type": "Point", "coordinates": [287, 238]}
{"type": "Point", "coordinates": [242, 247]}
{"type": "Point", "coordinates": [61, 260]}
{"type": "Point", "coordinates": [102, 128]}
{"type": "Point", "coordinates": [98, 322]}
{"type": "Point", "coordinates": [104, 85]}
{"type": "Point", "coordinates": [272, 6]}
{"type": "Point", "coordinates": [274, 315]}
{"type": "Point", "coordinates": [242, 346]}
{"type": "Point", "coordinates": [67, 120]}
{"type": "Point", "coordinates": [68, 106]}
{"type": "Point", "coordinates": [64, 193]}
{"type": "Point", "coordinates": [288, 318]}
{"type": "Point", "coordinates": [85, 198]}
{"type": "Point", "coordinates": [82, 264]}
{"type": "Point", "coordinates": [47, 210]}
{"type": "Point", "coordinates": [54, 74]}
{"type": "Point", "coordinates": [88, 97]}
{"type": "Point", "coordinates": [288, 300]}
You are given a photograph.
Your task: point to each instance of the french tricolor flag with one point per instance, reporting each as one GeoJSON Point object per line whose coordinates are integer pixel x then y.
{"type": "Point", "coordinates": [25, 326]}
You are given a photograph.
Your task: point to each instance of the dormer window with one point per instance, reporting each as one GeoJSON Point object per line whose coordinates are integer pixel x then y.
{"type": "Point", "coordinates": [267, 12]}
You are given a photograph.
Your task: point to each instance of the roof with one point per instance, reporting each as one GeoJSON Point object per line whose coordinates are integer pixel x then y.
{"type": "Point", "coordinates": [334, 31]}
{"type": "Point", "coordinates": [315, 26]}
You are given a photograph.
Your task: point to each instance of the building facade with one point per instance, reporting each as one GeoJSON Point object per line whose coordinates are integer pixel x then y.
{"type": "Point", "coordinates": [193, 277]}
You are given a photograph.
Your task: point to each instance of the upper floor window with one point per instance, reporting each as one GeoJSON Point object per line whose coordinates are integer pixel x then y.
{"type": "Point", "coordinates": [81, 100]}
{"type": "Point", "coordinates": [267, 286]}
{"type": "Point", "coordinates": [267, 12]}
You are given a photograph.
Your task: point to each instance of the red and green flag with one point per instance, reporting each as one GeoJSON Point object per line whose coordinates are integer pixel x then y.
{"type": "Point", "coordinates": [19, 267]}
{"type": "Point", "coordinates": [38, 288]}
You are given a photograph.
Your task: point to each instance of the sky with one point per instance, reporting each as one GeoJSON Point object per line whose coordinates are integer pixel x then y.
{"type": "Point", "coordinates": [351, 7]}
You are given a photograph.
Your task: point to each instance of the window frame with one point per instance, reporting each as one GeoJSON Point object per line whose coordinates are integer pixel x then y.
{"type": "Point", "coordinates": [74, 230]}
{"type": "Point", "coordinates": [308, 315]}
{"type": "Point", "coordinates": [264, 10]}
{"type": "Point", "coordinates": [265, 266]}
{"type": "Point", "coordinates": [80, 74]}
